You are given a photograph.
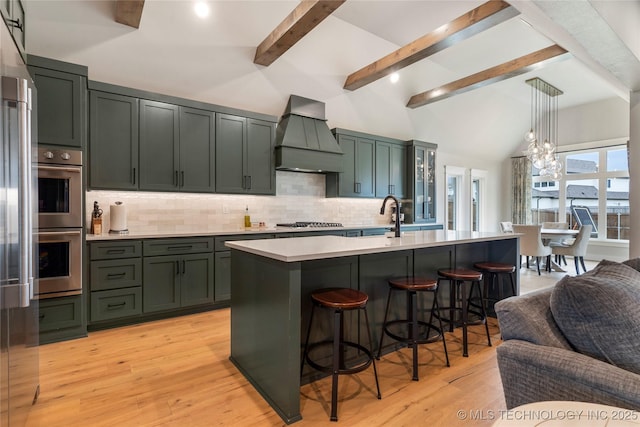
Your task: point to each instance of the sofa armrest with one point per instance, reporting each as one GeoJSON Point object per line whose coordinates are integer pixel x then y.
{"type": "Point", "coordinates": [533, 373]}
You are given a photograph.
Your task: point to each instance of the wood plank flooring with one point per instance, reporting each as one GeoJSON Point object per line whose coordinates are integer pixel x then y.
{"type": "Point", "coordinates": [177, 372]}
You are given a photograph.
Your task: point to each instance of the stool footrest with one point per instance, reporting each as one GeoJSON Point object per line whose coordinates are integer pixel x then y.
{"type": "Point", "coordinates": [362, 362]}
{"type": "Point", "coordinates": [423, 338]}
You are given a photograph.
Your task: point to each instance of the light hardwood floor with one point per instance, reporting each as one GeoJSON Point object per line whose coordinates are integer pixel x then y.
{"type": "Point", "coordinates": [177, 372]}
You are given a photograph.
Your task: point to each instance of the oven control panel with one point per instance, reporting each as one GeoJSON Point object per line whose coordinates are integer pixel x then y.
{"type": "Point", "coordinates": [59, 156]}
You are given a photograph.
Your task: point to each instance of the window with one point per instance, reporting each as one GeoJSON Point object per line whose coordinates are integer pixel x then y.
{"type": "Point", "coordinates": [596, 178]}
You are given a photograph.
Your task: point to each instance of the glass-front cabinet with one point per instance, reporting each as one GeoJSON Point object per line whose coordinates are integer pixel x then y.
{"type": "Point", "coordinates": [422, 179]}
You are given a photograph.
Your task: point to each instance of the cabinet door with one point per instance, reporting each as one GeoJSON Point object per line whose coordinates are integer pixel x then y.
{"type": "Point", "coordinates": [196, 279]}
{"type": "Point", "coordinates": [223, 276]}
{"type": "Point", "coordinates": [59, 107]}
{"type": "Point", "coordinates": [161, 283]}
{"type": "Point", "coordinates": [383, 169]}
{"type": "Point", "coordinates": [18, 26]}
{"type": "Point", "coordinates": [347, 179]}
{"type": "Point", "coordinates": [231, 137]}
{"type": "Point", "coordinates": [197, 150]}
{"type": "Point", "coordinates": [260, 173]}
{"type": "Point", "coordinates": [398, 170]}
{"type": "Point", "coordinates": [113, 142]}
{"type": "Point", "coordinates": [159, 150]}
{"type": "Point", "coordinates": [365, 167]}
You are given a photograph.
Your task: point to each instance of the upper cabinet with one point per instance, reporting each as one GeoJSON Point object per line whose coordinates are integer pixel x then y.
{"type": "Point", "coordinates": [162, 145]}
{"type": "Point", "coordinates": [391, 169]}
{"type": "Point", "coordinates": [14, 16]}
{"type": "Point", "coordinates": [358, 162]}
{"type": "Point", "coordinates": [245, 160]}
{"type": "Point", "coordinates": [374, 166]}
{"type": "Point", "coordinates": [422, 176]}
{"type": "Point", "coordinates": [113, 141]}
{"type": "Point", "coordinates": [60, 105]}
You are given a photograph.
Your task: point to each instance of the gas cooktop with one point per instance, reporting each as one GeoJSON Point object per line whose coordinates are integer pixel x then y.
{"type": "Point", "coordinates": [300, 224]}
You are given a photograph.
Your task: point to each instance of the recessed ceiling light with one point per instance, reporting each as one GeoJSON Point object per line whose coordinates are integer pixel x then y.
{"type": "Point", "coordinates": [202, 9]}
{"type": "Point", "coordinates": [394, 77]}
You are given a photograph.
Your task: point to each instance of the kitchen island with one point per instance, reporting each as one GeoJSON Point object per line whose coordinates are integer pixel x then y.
{"type": "Point", "coordinates": [271, 283]}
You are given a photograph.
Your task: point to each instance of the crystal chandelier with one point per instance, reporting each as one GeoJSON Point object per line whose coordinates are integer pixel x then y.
{"type": "Point", "coordinates": [542, 137]}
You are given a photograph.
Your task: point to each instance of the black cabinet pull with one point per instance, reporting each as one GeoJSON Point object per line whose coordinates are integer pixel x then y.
{"type": "Point", "coordinates": [184, 268]}
{"type": "Point", "coordinates": [115, 251]}
{"type": "Point", "coordinates": [116, 306]}
{"type": "Point", "coordinates": [182, 179]}
{"type": "Point", "coordinates": [41, 316]}
{"type": "Point", "coordinates": [180, 248]}
{"type": "Point", "coordinates": [175, 179]}
{"type": "Point", "coordinates": [177, 268]}
{"type": "Point", "coordinates": [112, 276]}
{"type": "Point", "coordinates": [15, 23]}
{"type": "Point", "coordinates": [134, 176]}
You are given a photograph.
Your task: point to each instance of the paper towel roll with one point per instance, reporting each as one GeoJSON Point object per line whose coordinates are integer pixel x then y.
{"type": "Point", "coordinates": [118, 214]}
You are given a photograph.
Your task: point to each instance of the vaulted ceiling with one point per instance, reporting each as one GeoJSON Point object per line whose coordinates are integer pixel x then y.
{"type": "Point", "coordinates": [465, 101]}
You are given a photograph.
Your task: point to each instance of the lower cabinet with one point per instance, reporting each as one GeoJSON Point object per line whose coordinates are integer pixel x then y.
{"type": "Point", "coordinates": [222, 289]}
{"type": "Point", "coordinates": [172, 282]}
{"type": "Point", "coordinates": [61, 319]}
{"type": "Point", "coordinates": [116, 303]}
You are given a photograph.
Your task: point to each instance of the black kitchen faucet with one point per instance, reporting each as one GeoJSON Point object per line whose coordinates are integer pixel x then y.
{"type": "Point", "coordinates": [384, 202]}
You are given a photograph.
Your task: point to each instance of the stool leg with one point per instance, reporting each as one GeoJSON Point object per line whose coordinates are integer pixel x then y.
{"type": "Point", "coordinates": [373, 361]}
{"type": "Point", "coordinates": [337, 321]}
{"type": "Point", "coordinates": [435, 306]}
{"type": "Point", "coordinates": [513, 285]}
{"type": "Point", "coordinates": [384, 322]}
{"type": "Point", "coordinates": [463, 291]}
{"type": "Point", "coordinates": [484, 314]}
{"type": "Point", "coordinates": [306, 342]}
{"type": "Point", "coordinates": [452, 303]}
{"type": "Point", "coordinates": [414, 333]}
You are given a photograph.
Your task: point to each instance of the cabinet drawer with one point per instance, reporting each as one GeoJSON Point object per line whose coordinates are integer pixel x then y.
{"type": "Point", "coordinates": [114, 274]}
{"type": "Point", "coordinates": [60, 313]}
{"type": "Point", "coordinates": [220, 240]}
{"type": "Point", "coordinates": [177, 246]}
{"type": "Point", "coordinates": [117, 303]}
{"type": "Point", "coordinates": [115, 250]}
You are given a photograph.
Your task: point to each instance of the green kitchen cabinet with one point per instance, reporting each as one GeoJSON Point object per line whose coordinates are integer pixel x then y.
{"type": "Point", "coordinates": [159, 146]}
{"type": "Point", "coordinates": [181, 275]}
{"type": "Point", "coordinates": [245, 162]}
{"type": "Point", "coordinates": [61, 319]}
{"type": "Point", "coordinates": [358, 162]}
{"type": "Point", "coordinates": [113, 141]}
{"type": "Point", "coordinates": [422, 179]}
{"type": "Point", "coordinates": [222, 291]}
{"type": "Point", "coordinates": [14, 16]}
{"type": "Point", "coordinates": [60, 107]}
{"type": "Point", "coordinates": [171, 282]}
{"type": "Point", "coordinates": [391, 169]}
{"type": "Point", "coordinates": [197, 150]}
{"type": "Point", "coordinates": [177, 148]}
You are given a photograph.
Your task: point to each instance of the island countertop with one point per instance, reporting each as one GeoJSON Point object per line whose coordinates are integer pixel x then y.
{"type": "Point", "coordinates": [322, 247]}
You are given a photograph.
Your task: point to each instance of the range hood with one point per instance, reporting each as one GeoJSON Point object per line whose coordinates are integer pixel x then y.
{"type": "Point", "coordinates": [304, 142]}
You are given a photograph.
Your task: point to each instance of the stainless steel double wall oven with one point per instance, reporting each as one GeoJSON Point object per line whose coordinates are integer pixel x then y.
{"type": "Point", "coordinates": [60, 222]}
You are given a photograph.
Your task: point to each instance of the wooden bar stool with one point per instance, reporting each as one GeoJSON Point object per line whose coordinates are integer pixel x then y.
{"type": "Point", "coordinates": [340, 300]}
{"type": "Point", "coordinates": [492, 272]}
{"type": "Point", "coordinates": [458, 279]}
{"type": "Point", "coordinates": [413, 285]}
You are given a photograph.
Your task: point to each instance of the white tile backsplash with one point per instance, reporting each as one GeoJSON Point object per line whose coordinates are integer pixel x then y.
{"type": "Point", "coordinates": [299, 197]}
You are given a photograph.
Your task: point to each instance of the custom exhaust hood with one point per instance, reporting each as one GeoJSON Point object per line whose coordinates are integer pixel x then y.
{"type": "Point", "coordinates": [304, 142]}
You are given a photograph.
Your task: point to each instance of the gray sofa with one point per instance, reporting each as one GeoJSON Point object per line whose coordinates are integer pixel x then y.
{"type": "Point", "coordinates": [578, 341]}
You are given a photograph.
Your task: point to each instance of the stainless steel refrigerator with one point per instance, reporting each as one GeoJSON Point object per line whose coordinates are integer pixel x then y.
{"type": "Point", "coordinates": [19, 386]}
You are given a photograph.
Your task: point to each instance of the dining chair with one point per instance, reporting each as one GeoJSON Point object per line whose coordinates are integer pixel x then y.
{"type": "Point", "coordinates": [549, 225]}
{"type": "Point", "coordinates": [578, 249]}
{"type": "Point", "coordinates": [506, 227]}
{"type": "Point", "coordinates": [531, 244]}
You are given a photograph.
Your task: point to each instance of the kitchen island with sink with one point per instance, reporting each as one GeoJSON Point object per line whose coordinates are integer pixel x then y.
{"type": "Point", "coordinates": [271, 283]}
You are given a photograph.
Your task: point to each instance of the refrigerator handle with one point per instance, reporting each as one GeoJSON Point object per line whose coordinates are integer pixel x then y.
{"type": "Point", "coordinates": [17, 91]}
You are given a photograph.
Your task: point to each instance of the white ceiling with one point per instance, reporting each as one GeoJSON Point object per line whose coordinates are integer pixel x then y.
{"type": "Point", "coordinates": [175, 53]}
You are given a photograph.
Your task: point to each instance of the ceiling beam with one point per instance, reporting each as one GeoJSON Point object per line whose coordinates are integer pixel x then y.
{"type": "Point", "coordinates": [304, 18]}
{"type": "Point", "coordinates": [504, 71]}
{"type": "Point", "coordinates": [129, 12]}
{"type": "Point", "coordinates": [473, 22]}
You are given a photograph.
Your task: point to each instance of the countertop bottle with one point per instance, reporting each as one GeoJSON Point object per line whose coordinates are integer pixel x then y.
{"type": "Point", "coordinates": [247, 218]}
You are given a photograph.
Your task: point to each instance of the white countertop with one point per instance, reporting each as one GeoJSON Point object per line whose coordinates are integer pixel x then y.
{"type": "Point", "coordinates": [321, 247]}
{"type": "Point", "coordinates": [216, 231]}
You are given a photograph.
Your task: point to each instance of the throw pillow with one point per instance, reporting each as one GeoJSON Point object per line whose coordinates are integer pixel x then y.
{"type": "Point", "coordinates": [598, 313]}
{"type": "Point", "coordinates": [633, 263]}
